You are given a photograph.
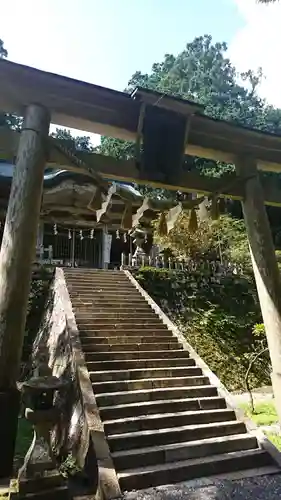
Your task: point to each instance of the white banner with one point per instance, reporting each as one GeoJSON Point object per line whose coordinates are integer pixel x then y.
{"type": "Point", "coordinates": [107, 240]}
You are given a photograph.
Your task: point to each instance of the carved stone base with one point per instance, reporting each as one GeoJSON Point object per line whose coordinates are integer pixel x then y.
{"type": "Point", "coordinates": [9, 411]}
{"type": "Point", "coordinates": [51, 486]}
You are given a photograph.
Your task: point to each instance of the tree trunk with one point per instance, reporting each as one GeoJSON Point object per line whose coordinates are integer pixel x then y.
{"type": "Point", "coordinates": [267, 275]}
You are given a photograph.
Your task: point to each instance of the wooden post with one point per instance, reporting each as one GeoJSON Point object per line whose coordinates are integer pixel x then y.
{"type": "Point", "coordinates": [40, 242]}
{"type": "Point", "coordinates": [267, 275]}
{"type": "Point", "coordinates": [16, 257]}
{"type": "Point", "coordinates": [123, 259]}
{"type": "Point", "coordinates": [72, 249]}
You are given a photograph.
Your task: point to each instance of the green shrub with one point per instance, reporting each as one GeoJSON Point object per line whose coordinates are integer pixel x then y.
{"type": "Point", "coordinates": [217, 315]}
{"type": "Point", "coordinates": [224, 239]}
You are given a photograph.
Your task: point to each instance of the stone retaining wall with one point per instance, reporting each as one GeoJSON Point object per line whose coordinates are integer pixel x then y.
{"type": "Point", "coordinates": [53, 353]}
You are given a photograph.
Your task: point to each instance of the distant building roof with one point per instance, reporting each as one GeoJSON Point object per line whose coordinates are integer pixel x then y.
{"type": "Point", "coordinates": [7, 169]}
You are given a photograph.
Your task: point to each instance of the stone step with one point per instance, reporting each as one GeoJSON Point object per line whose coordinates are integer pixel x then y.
{"type": "Point", "coordinates": [96, 277]}
{"type": "Point", "coordinates": [102, 273]}
{"type": "Point", "coordinates": [132, 294]}
{"type": "Point", "coordinates": [97, 284]}
{"type": "Point", "coordinates": [94, 290]}
{"type": "Point", "coordinates": [156, 325]}
{"type": "Point", "coordinates": [127, 306]}
{"type": "Point", "coordinates": [107, 375]}
{"type": "Point", "coordinates": [159, 412]}
{"type": "Point", "coordinates": [60, 492]}
{"type": "Point", "coordinates": [129, 364]}
{"type": "Point", "coordinates": [142, 439]}
{"type": "Point", "coordinates": [113, 310]}
{"type": "Point", "coordinates": [105, 303]}
{"type": "Point", "coordinates": [136, 396]}
{"type": "Point", "coordinates": [88, 276]}
{"type": "Point", "coordinates": [182, 451]}
{"type": "Point", "coordinates": [85, 334]}
{"type": "Point", "coordinates": [161, 406]}
{"type": "Point", "coordinates": [130, 355]}
{"type": "Point", "coordinates": [113, 295]}
{"type": "Point", "coordinates": [125, 314]}
{"type": "Point", "coordinates": [92, 347]}
{"type": "Point", "coordinates": [33, 484]}
{"type": "Point", "coordinates": [146, 320]}
{"type": "Point", "coordinates": [155, 383]}
{"type": "Point", "coordinates": [112, 284]}
{"type": "Point", "coordinates": [93, 272]}
{"type": "Point", "coordinates": [114, 316]}
{"type": "Point", "coordinates": [106, 300]}
{"type": "Point", "coordinates": [101, 282]}
{"type": "Point", "coordinates": [175, 472]}
{"type": "Point", "coordinates": [167, 420]}
{"type": "Point", "coordinates": [124, 339]}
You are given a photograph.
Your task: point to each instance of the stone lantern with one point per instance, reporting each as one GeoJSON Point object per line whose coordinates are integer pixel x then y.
{"type": "Point", "coordinates": [39, 472]}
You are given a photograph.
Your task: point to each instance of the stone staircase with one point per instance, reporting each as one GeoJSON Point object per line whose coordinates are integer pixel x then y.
{"type": "Point", "coordinates": [163, 420]}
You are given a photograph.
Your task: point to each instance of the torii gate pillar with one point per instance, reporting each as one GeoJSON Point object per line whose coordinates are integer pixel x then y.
{"type": "Point", "coordinates": [16, 257]}
{"type": "Point", "coordinates": [267, 275]}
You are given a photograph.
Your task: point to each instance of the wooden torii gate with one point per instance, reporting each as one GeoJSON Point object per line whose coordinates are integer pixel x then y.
{"type": "Point", "coordinates": [44, 97]}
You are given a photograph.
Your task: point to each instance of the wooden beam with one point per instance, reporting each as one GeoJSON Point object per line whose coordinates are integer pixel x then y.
{"type": "Point", "coordinates": [126, 171]}
{"type": "Point", "coordinates": [169, 102]}
{"type": "Point", "coordinates": [83, 223]}
{"type": "Point", "coordinates": [74, 210]}
{"type": "Point", "coordinates": [48, 210]}
{"type": "Point", "coordinates": [103, 111]}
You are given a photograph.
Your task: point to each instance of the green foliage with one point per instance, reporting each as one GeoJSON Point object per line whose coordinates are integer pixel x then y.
{"type": "Point", "coordinates": [216, 314]}
{"type": "Point", "coordinates": [69, 467]}
{"type": "Point", "coordinates": [265, 413]}
{"type": "Point", "coordinates": [3, 51]}
{"type": "Point", "coordinates": [224, 239]}
{"type": "Point", "coordinates": [275, 439]}
{"type": "Point", "coordinates": [202, 72]}
{"type": "Point", "coordinates": [259, 331]}
{"type": "Point", "coordinates": [122, 150]}
{"type": "Point", "coordinates": [278, 256]}
{"type": "Point", "coordinates": [79, 143]}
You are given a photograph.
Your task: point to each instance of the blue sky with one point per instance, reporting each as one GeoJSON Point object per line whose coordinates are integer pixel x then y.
{"type": "Point", "coordinates": [106, 41]}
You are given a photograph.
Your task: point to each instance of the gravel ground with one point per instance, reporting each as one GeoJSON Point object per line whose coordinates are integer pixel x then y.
{"type": "Point", "coordinates": [262, 395]}
{"type": "Point", "coordinates": [255, 488]}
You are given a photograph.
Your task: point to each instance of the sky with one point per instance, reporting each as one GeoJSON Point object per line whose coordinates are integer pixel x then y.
{"type": "Point", "coordinates": [106, 41]}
